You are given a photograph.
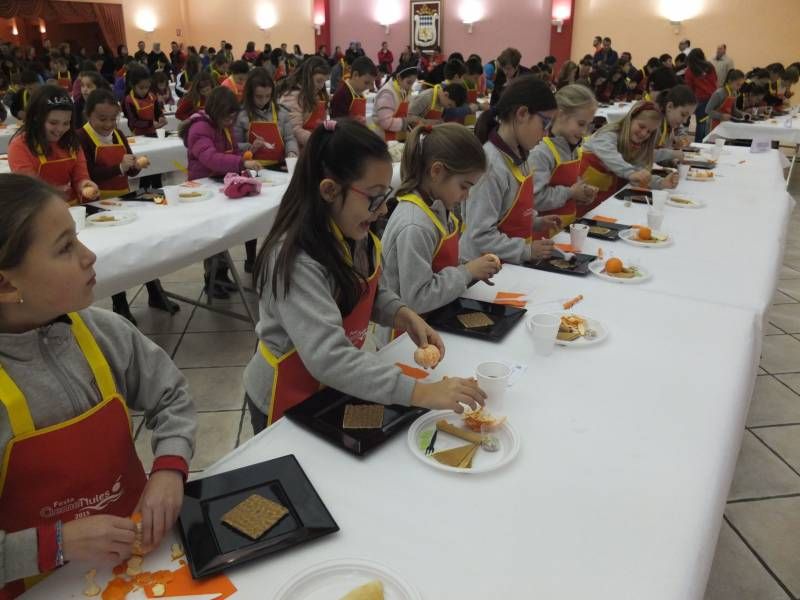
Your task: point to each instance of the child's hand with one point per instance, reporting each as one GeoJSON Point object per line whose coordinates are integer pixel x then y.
{"type": "Point", "coordinates": [583, 193]}
{"type": "Point", "coordinates": [159, 506]}
{"type": "Point", "coordinates": [162, 121]}
{"type": "Point", "coordinates": [483, 268]}
{"type": "Point", "coordinates": [257, 145]}
{"type": "Point", "coordinates": [640, 178]}
{"type": "Point", "coordinates": [670, 181]}
{"type": "Point", "coordinates": [542, 249]}
{"type": "Point", "coordinates": [725, 117]}
{"type": "Point", "coordinates": [127, 163]}
{"type": "Point", "coordinates": [418, 330]}
{"type": "Point", "coordinates": [252, 165]}
{"type": "Point", "coordinates": [547, 223]}
{"type": "Point", "coordinates": [89, 190]}
{"type": "Point", "coordinates": [413, 120]}
{"type": "Point", "coordinates": [98, 538]}
{"type": "Point", "coordinates": [449, 394]}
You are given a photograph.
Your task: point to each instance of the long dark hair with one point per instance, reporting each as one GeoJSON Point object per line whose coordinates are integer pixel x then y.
{"type": "Point", "coordinates": [697, 63]}
{"type": "Point", "coordinates": [203, 78]}
{"type": "Point", "coordinates": [303, 220]}
{"type": "Point", "coordinates": [136, 74]}
{"type": "Point", "coordinates": [258, 77]}
{"type": "Point", "coordinates": [45, 99]}
{"type": "Point", "coordinates": [221, 103]}
{"type": "Point", "coordinates": [528, 91]}
{"type": "Point", "coordinates": [303, 79]}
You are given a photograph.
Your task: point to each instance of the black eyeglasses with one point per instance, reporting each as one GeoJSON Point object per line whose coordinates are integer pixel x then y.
{"type": "Point", "coordinates": [545, 120]}
{"type": "Point", "coordinates": [375, 200]}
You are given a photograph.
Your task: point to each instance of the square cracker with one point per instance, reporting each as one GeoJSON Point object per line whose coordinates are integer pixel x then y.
{"type": "Point", "coordinates": [363, 416]}
{"type": "Point", "coordinates": [475, 319]}
{"type": "Point", "coordinates": [255, 516]}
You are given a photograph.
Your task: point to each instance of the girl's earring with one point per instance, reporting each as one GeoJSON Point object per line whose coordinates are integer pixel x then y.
{"type": "Point", "coordinates": [20, 301]}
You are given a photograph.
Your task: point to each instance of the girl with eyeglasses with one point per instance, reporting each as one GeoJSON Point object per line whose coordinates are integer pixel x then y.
{"type": "Point", "coordinates": [318, 275]}
{"type": "Point", "coordinates": [499, 211]}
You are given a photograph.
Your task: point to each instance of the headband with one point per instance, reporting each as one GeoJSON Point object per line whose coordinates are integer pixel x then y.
{"type": "Point", "coordinates": [643, 106]}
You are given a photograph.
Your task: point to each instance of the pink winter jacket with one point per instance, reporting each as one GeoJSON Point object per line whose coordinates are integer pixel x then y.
{"type": "Point", "coordinates": [209, 149]}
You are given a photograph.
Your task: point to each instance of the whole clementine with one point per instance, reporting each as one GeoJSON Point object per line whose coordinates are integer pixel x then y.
{"type": "Point", "coordinates": [613, 265]}
{"type": "Point", "coordinates": [645, 233]}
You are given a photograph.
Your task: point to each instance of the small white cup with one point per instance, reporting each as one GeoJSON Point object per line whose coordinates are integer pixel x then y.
{"type": "Point", "coordinates": [161, 133]}
{"type": "Point", "coordinates": [683, 171]}
{"type": "Point", "coordinates": [655, 219]}
{"type": "Point", "coordinates": [659, 199]}
{"type": "Point", "coordinates": [291, 163]}
{"type": "Point", "coordinates": [577, 235]}
{"type": "Point", "coordinates": [79, 216]}
{"type": "Point", "coordinates": [493, 380]}
{"type": "Point", "coordinates": [544, 329]}
{"type": "Point", "coordinates": [172, 195]}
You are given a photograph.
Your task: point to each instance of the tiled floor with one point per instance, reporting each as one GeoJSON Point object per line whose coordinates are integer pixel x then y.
{"type": "Point", "coordinates": [758, 554]}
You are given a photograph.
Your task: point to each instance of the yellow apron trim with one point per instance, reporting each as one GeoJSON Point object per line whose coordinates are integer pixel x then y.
{"type": "Point", "coordinates": [353, 92]}
{"type": "Point", "coordinates": [94, 356]}
{"type": "Point", "coordinates": [14, 400]}
{"type": "Point", "coordinates": [416, 200]}
{"type": "Point", "coordinates": [93, 135]}
{"type": "Point", "coordinates": [337, 233]}
{"type": "Point", "coordinates": [398, 90]}
{"type": "Point", "coordinates": [664, 133]}
{"type": "Point", "coordinates": [553, 150]}
{"type": "Point", "coordinates": [436, 89]}
{"type": "Point", "coordinates": [602, 181]}
{"type": "Point", "coordinates": [135, 102]}
{"type": "Point", "coordinates": [43, 157]}
{"type": "Point", "coordinates": [273, 362]}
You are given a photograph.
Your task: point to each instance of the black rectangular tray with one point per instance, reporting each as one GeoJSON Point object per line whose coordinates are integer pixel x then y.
{"type": "Point", "coordinates": [700, 164]}
{"type": "Point", "coordinates": [504, 317]}
{"type": "Point", "coordinates": [635, 196]}
{"type": "Point", "coordinates": [212, 546]}
{"type": "Point", "coordinates": [611, 236]}
{"type": "Point", "coordinates": [581, 268]}
{"type": "Point", "coordinates": [323, 414]}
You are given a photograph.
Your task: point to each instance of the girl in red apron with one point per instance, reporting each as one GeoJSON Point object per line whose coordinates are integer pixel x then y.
{"type": "Point", "coordinates": [431, 104]}
{"type": "Point", "coordinates": [623, 152]}
{"type": "Point", "coordinates": [420, 242]}
{"type": "Point", "coordinates": [61, 73]}
{"type": "Point", "coordinates": [89, 81]}
{"type": "Point", "coordinates": [722, 104]}
{"type": "Point", "coordinates": [71, 476]}
{"type": "Point", "coordinates": [47, 147]}
{"type": "Point", "coordinates": [349, 100]}
{"type": "Point", "coordinates": [318, 277]}
{"type": "Point", "coordinates": [304, 95]}
{"type": "Point", "coordinates": [390, 118]}
{"type": "Point", "coordinates": [556, 159]}
{"type": "Point", "coordinates": [144, 112]}
{"type": "Point", "coordinates": [499, 211]}
{"type": "Point", "coordinates": [195, 99]}
{"type": "Point", "coordinates": [677, 105]}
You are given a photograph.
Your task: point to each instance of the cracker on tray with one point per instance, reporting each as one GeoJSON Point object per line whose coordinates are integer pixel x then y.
{"type": "Point", "coordinates": [363, 416]}
{"type": "Point", "coordinates": [255, 516]}
{"type": "Point", "coordinates": [475, 319]}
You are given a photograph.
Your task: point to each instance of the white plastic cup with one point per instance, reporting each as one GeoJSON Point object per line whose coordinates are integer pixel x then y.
{"type": "Point", "coordinates": [659, 199]}
{"type": "Point", "coordinates": [493, 380]}
{"type": "Point", "coordinates": [161, 133]}
{"type": "Point", "coordinates": [544, 329]}
{"type": "Point", "coordinates": [172, 195]}
{"type": "Point", "coordinates": [291, 163]}
{"type": "Point", "coordinates": [78, 214]}
{"type": "Point", "coordinates": [716, 151]}
{"type": "Point", "coordinates": [577, 235]}
{"type": "Point", "coordinates": [655, 219]}
{"type": "Point", "coordinates": [683, 171]}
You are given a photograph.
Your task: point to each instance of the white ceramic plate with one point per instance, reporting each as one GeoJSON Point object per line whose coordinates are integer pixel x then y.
{"type": "Point", "coordinates": [630, 236]}
{"type": "Point", "coordinates": [597, 326]}
{"type": "Point", "coordinates": [334, 579]}
{"type": "Point", "coordinates": [681, 202]}
{"type": "Point", "coordinates": [597, 267]}
{"type": "Point", "coordinates": [120, 217]}
{"type": "Point", "coordinates": [483, 462]}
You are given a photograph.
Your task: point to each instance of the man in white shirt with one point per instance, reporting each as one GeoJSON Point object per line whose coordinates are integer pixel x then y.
{"type": "Point", "coordinates": [722, 63]}
{"type": "Point", "coordinates": [684, 46]}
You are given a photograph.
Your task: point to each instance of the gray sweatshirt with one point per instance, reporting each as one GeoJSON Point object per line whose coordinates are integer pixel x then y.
{"type": "Point", "coordinates": [542, 163]}
{"type": "Point", "coordinates": [409, 241]}
{"type": "Point", "coordinates": [715, 103]}
{"type": "Point", "coordinates": [242, 126]}
{"type": "Point", "coordinates": [50, 369]}
{"type": "Point", "coordinates": [488, 201]}
{"type": "Point", "coordinates": [308, 319]}
{"type": "Point", "coordinates": [605, 145]}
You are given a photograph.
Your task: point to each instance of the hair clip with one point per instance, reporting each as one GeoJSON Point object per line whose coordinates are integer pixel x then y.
{"type": "Point", "coordinates": [329, 125]}
{"type": "Point", "coordinates": [59, 101]}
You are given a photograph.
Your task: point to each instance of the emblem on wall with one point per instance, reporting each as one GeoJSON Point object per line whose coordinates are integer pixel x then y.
{"type": "Point", "coordinates": [426, 25]}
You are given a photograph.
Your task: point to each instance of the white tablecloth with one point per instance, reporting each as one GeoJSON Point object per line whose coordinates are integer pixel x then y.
{"type": "Point", "coordinates": [615, 112]}
{"type": "Point", "coordinates": [628, 450]}
{"type": "Point", "coordinates": [172, 124]}
{"type": "Point", "coordinates": [772, 129]}
{"type": "Point", "coordinates": [6, 133]}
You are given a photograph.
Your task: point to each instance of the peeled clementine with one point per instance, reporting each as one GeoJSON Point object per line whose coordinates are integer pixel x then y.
{"type": "Point", "coordinates": [613, 265]}
{"type": "Point", "coordinates": [247, 155]}
{"type": "Point", "coordinates": [645, 233]}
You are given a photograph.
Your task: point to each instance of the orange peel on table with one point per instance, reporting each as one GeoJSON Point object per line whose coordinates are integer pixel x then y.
{"type": "Point", "coordinates": [481, 420]}
{"type": "Point", "coordinates": [572, 302]}
{"type": "Point", "coordinates": [428, 356]}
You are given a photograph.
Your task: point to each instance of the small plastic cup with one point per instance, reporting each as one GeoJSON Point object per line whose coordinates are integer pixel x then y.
{"type": "Point", "coordinates": [291, 163]}
{"type": "Point", "coordinates": [659, 199]}
{"type": "Point", "coordinates": [172, 195]}
{"type": "Point", "coordinates": [577, 235]}
{"type": "Point", "coordinates": [655, 219]}
{"type": "Point", "coordinates": [161, 133]}
{"type": "Point", "coordinates": [493, 380]}
{"type": "Point", "coordinates": [78, 214]}
{"type": "Point", "coordinates": [683, 171]}
{"type": "Point", "coordinates": [544, 329]}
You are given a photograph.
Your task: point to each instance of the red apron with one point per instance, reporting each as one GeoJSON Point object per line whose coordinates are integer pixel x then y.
{"type": "Point", "coordinates": [269, 132]}
{"type": "Point", "coordinates": [400, 113]}
{"type": "Point", "coordinates": [358, 105]}
{"type": "Point", "coordinates": [433, 113]}
{"type": "Point", "coordinates": [594, 172]}
{"type": "Point", "coordinates": [109, 155]}
{"type": "Point", "coordinates": [291, 382]}
{"type": "Point", "coordinates": [565, 174]}
{"type": "Point", "coordinates": [316, 117]}
{"type": "Point", "coordinates": [58, 173]}
{"type": "Point", "coordinates": [64, 80]}
{"type": "Point", "coordinates": [518, 220]}
{"type": "Point", "coordinates": [145, 111]}
{"type": "Point", "coordinates": [82, 467]}
{"type": "Point", "coordinates": [727, 106]}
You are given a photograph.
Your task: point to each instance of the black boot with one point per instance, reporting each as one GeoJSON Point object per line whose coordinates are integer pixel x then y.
{"type": "Point", "coordinates": [120, 306]}
{"type": "Point", "coordinates": [250, 250]}
{"type": "Point", "coordinates": [158, 299]}
{"type": "Point", "coordinates": [224, 281]}
{"type": "Point", "coordinates": [217, 292]}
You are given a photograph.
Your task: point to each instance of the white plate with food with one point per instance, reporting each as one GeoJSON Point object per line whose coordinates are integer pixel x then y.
{"type": "Point", "coordinates": [700, 175]}
{"type": "Point", "coordinates": [457, 444]}
{"type": "Point", "coordinates": [645, 237]}
{"type": "Point", "coordinates": [111, 218]}
{"type": "Point", "coordinates": [272, 180]}
{"type": "Point", "coordinates": [628, 273]}
{"type": "Point", "coordinates": [577, 331]}
{"type": "Point", "coordinates": [346, 579]}
{"type": "Point", "coordinates": [684, 202]}
{"type": "Point", "coordinates": [193, 194]}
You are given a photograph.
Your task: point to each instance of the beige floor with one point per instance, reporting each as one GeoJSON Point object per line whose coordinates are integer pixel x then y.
{"type": "Point", "coordinates": [758, 554]}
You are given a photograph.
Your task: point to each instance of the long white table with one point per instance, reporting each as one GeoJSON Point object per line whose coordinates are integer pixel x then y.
{"type": "Point", "coordinates": [628, 450]}
{"type": "Point", "coordinates": [774, 129]}
{"type": "Point", "coordinates": [6, 133]}
{"type": "Point", "coordinates": [614, 112]}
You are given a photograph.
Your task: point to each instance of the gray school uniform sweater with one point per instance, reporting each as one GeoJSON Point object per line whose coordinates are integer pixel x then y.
{"type": "Point", "coordinates": [715, 103]}
{"type": "Point", "coordinates": [49, 367]}
{"type": "Point", "coordinates": [604, 145]}
{"type": "Point", "coordinates": [542, 163]}
{"type": "Point", "coordinates": [409, 241]}
{"type": "Point", "coordinates": [242, 126]}
{"type": "Point", "coordinates": [307, 318]}
{"type": "Point", "coordinates": [488, 201]}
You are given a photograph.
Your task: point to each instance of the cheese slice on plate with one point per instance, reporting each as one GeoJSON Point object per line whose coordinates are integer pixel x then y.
{"type": "Point", "coordinates": [369, 591]}
{"type": "Point", "coordinates": [455, 456]}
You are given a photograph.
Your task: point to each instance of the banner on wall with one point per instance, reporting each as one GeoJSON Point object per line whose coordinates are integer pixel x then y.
{"type": "Point", "coordinates": [426, 25]}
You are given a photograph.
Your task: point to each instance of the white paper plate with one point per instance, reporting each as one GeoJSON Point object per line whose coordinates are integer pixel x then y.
{"type": "Point", "coordinates": [204, 194]}
{"type": "Point", "coordinates": [691, 177]}
{"type": "Point", "coordinates": [629, 236]}
{"type": "Point", "coordinates": [695, 203]}
{"type": "Point", "coordinates": [483, 462]}
{"type": "Point", "coordinates": [267, 181]}
{"type": "Point", "coordinates": [121, 217]}
{"type": "Point", "coordinates": [597, 268]}
{"type": "Point", "coordinates": [333, 579]}
{"type": "Point", "coordinates": [581, 342]}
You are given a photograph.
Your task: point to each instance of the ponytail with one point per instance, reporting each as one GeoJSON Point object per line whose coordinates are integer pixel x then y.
{"type": "Point", "coordinates": [527, 91]}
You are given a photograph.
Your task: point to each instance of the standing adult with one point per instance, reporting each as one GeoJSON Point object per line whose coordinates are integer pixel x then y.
{"type": "Point", "coordinates": [177, 57]}
{"type": "Point", "coordinates": [684, 47]}
{"type": "Point", "coordinates": [701, 77]}
{"type": "Point", "coordinates": [141, 54]}
{"type": "Point", "coordinates": [157, 60]}
{"type": "Point", "coordinates": [722, 62]}
{"type": "Point", "coordinates": [597, 44]}
{"type": "Point", "coordinates": [385, 57]}
{"type": "Point", "coordinates": [607, 57]}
